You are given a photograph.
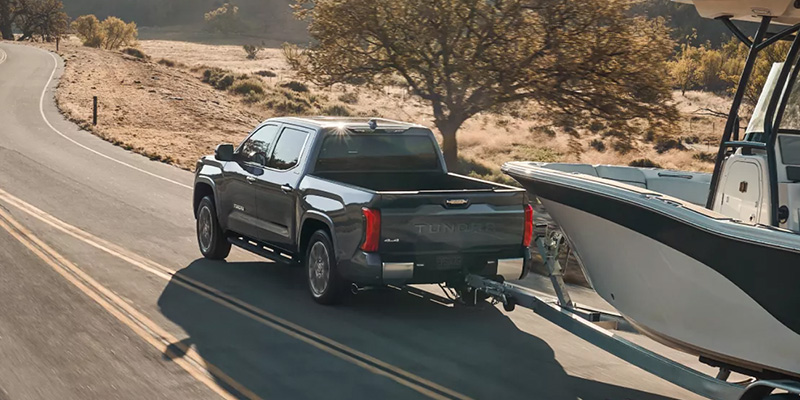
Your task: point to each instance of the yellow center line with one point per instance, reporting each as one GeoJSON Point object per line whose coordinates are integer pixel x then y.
{"type": "Point", "coordinates": [344, 352]}
{"type": "Point", "coordinates": [138, 323]}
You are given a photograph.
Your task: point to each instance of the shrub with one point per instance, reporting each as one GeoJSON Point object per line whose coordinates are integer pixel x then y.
{"type": "Point", "coordinates": [117, 33]}
{"type": "Point", "coordinates": [622, 146]}
{"type": "Point", "coordinates": [295, 86]}
{"type": "Point", "coordinates": [251, 50]}
{"type": "Point", "coordinates": [166, 62]}
{"type": "Point", "coordinates": [705, 157]}
{"type": "Point", "coordinates": [614, 133]}
{"type": "Point", "coordinates": [247, 86]}
{"type": "Point", "coordinates": [664, 144]}
{"type": "Point", "coordinates": [649, 136]}
{"type": "Point", "coordinates": [266, 74]}
{"type": "Point", "coordinates": [133, 51]}
{"type": "Point", "coordinates": [287, 101]}
{"type": "Point", "coordinates": [644, 163]}
{"type": "Point", "coordinates": [338, 110]}
{"type": "Point", "coordinates": [89, 30]}
{"type": "Point", "coordinates": [224, 19]}
{"type": "Point", "coordinates": [218, 78]}
{"type": "Point", "coordinates": [349, 98]}
{"type": "Point", "coordinates": [598, 145]}
{"type": "Point", "coordinates": [596, 126]}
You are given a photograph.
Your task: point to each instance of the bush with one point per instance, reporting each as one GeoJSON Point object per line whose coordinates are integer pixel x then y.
{"type": "Point", "coordinates": [664, 144]}
{"type": "Point", "coordinates": [89, 30]}
{"type": "Point", "coordinates": [133, 51]}
{"type": "Point", "coordinates": [218, 78]}
{"type": "Point", "coordinates": [251, 50]}
{"type": "Point", "coordinates": [705, 157]}
{"type": "Point", "coordinates": [596, 126]}
{"type": "Point", "coordinates": [289, 102]}
{"type": "Point", "coordinates": [336, 110]}
{"type": "Point", "coordinates": [644, 163]}
{"type": "Point", "coordinates": [295, 86]}
{"type": "Point", "coordinates": [247, 86]}
{"type": "Point", "coordinates": [598, 145]}
{"type": "Point", "coordinates": [117, 33]}
{"type": "Point", "coordinates": [266, 74]}
{"type": "Point", "coordinates": [349, 98]}
{"type": "Point", "coordinates": [622, 146]}
{"type": "Point", "coordinates": [224, 19]}
{"type": "Point", "coordinates": [166, 62]}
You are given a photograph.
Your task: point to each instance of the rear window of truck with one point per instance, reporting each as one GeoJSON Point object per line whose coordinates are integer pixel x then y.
{"type": "Point", "coordinates": [376, 152]}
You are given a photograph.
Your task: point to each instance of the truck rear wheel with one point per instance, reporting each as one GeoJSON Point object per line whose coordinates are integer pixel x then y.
{"type": "Point", "coordinates": [210, 237]}
{"type": "Point", "coordinates": [324, 282]}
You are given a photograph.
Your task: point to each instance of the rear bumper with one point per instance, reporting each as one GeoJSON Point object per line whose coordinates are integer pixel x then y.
{"type": "Point", "coordinates": [370, 269]}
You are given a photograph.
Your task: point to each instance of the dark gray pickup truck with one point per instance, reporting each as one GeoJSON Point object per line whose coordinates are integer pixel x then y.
{"type": "Point", "coordinates": [358, 202]}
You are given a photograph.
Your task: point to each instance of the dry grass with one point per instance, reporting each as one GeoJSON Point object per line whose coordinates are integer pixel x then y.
{"type": "Point", "coordinates": [147, 118]}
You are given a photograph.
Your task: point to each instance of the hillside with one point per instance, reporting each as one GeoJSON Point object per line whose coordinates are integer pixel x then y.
{"type": "Point", "coordinates": [168, 113]}
{"type": "Point", "coordinates": [272, 20]}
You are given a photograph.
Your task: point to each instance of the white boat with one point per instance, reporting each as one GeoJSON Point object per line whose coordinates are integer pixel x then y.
{"type": "Point", "coordinates": [709, 264]}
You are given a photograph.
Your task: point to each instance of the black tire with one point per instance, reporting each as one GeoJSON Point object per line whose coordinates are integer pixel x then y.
{"type": "Point", "coordinates": [212, 241]}
{"type": "Point", "coordinates": [324, 282]}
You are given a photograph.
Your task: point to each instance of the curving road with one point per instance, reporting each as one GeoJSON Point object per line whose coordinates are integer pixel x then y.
{"type": "Point", "coordinates": [103, 294]}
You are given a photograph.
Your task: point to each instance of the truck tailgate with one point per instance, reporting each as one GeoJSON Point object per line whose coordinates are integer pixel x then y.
{"type": "Point", "coordinates": [459, 222]}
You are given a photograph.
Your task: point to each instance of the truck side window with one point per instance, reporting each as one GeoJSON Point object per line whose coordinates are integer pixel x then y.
{"type": "Point", "coordinates": [258, 147]}
{"type": "Point", "coordinates": [288, 149]}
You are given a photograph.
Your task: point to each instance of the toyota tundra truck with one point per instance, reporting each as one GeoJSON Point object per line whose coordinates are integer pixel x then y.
{"type": "Point", "coordinates": [358, 203]}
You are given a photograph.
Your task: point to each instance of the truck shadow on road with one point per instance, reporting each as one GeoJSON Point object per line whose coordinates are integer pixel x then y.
{"type": "Point", "coordinates": [477, 351]}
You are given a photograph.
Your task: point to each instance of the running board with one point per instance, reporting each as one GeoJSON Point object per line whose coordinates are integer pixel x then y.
{"type": "Point", "coordinates": [262, 249]}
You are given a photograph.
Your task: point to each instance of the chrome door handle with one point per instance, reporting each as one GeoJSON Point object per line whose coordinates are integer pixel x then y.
{"type": "Point", "coordinates": [286, 188]}
{"type": "Point", "coordinates": [251, 179]}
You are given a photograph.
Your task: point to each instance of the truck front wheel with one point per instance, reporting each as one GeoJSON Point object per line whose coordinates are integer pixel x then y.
{"type": "Point", "coordinates": [324, 282]}
{"type": "Point", "coordinates": [210, 237]}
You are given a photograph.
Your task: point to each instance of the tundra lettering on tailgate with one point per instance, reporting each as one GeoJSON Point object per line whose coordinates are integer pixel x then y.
{"type": "Point", "coordinates": [451, 228]}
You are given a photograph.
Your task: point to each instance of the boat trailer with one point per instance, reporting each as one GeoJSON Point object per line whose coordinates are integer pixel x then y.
{"type": "Point", "coordinates": [597, 326]}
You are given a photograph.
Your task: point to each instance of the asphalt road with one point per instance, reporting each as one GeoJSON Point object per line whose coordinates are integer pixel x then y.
{"type": "Point", "coordinates": [104, 294]}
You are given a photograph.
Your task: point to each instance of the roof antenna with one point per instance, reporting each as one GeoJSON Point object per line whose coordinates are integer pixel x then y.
{"type": "Point", "coordinates": [373, 124]}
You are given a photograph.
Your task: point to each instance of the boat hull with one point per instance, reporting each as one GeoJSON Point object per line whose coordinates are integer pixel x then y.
{"type": "Point", "coordinates": [683, 277]}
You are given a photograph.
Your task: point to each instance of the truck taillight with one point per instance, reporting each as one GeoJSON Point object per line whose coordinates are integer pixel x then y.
{"type": "Point", "coordinates": [527, 235]}
{"type": "Point", "coordinates": [372, 229]}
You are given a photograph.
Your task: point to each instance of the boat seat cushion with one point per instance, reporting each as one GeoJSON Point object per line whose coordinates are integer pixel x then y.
{"type": "Point", "coordinates": [585, 169]}
{"type": "Point", "coordinates": [628, 175]}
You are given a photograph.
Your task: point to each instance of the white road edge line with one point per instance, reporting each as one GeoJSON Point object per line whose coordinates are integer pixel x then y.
{"type": "Point", "coordinates": [41, 110]}
{"type": "Point", "coordinates": [3, 56]}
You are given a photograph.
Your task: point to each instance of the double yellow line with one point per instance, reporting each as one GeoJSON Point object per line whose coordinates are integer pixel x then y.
{"type": "Point", "coordinates": [156, 336]}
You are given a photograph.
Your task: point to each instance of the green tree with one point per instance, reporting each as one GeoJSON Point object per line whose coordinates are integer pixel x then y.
{"type": "Point", "coordinates": [45, 18]}
{"type": "Point", "coordinates": [685, 70]}
{"type": "Point", "coordinates": [736, 53]}
{"type": "Point", "coordinates": [89, 30]}
{"type": "Point", "coordinates": [583, 61]}
{"type": "Point", "coordinates": [117, 33]}
{"type": "Point", "coordinates": [224, 19]}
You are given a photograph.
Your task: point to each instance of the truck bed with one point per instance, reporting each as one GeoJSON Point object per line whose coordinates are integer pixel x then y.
{"type": "Point", "coordinates": [408, 181]}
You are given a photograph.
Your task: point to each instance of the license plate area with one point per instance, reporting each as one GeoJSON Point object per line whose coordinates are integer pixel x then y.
{"type": "Point", "coordinates": [449, 262]}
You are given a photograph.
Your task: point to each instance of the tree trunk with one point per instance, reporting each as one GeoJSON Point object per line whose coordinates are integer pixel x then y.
{"type": "Point", "coordinates": [6, 20]}
{"type": "Point", "coordinates": [6, 31]}
{"type": "Point", "coordinates": [450, 144]}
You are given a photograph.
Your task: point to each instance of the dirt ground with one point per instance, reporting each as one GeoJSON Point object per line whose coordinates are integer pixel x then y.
{"type": "Point", "coordinates": [168, 114]}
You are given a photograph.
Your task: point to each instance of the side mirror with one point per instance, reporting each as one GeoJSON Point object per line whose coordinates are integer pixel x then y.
{"type": "Point", "coordinates": [224, 152]}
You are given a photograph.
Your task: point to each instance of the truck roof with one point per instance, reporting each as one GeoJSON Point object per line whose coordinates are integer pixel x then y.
{"type": "Point", "coordinates": [347, 122]}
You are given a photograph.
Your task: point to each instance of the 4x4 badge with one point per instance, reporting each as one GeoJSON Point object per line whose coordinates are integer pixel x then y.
{"type": "Point", "coordinates": [456, 202]}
